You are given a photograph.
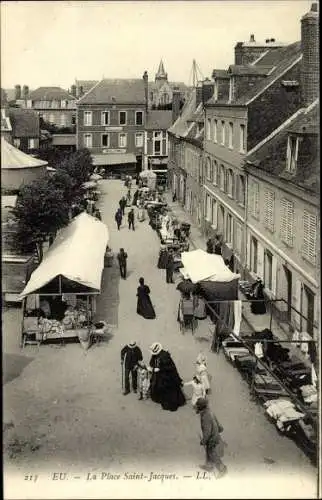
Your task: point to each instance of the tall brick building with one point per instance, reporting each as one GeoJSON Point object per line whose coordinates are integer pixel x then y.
{"type": "Point", "coordinates": [111, 121]}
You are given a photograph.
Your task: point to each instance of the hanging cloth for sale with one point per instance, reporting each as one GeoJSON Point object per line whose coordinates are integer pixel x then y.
{"type": "Point", "coordinates": [237, 316]}
{"type": "Point", "coordinates": [314, 377]}
{"type": "Point", "coordinates": [259, 350]}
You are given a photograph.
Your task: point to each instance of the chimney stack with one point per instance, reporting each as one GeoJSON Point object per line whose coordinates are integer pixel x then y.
{"type": "Point", "coordinates": [175, 103]}
{"type": "Point", "coordinates": [17, 92]}
{"type": "Point", "coordinates": [310, 58]}
{"type": "Point", "coordinates": [146, 89]}
{"type": "Point", "coordinates": [252, 38]}
{"type": "Point", "coordinates": [25, 92]}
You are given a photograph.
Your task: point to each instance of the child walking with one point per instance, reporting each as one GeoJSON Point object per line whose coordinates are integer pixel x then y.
{"type": "Point", "coordinates": [202, 371]}
{"type": "Point", "coordinates": [198, 390]}
{"type": "Point", "coordinates": [143, 380]}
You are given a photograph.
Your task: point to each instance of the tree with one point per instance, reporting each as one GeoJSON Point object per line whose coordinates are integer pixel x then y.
{"type": "Point", "coordinates": [41, 210]}
{"type": "Point", "coordinates": [78, 165]}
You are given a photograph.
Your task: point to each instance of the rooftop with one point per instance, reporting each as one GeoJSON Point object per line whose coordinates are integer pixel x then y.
{"type": "Point", "coordinates": [120, 91]}
{"type": "Point", "coordinates": [158, 120]}
{"type": "Point", "coordinates": [50, 94]}
{"type": "Point", "coordinates": [181, 125]}
{"type": "Point", "coordinates": [271, 156]}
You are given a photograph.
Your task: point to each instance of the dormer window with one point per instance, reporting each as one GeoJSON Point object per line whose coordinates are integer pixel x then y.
{"type": "Point", "coordinates": [292, 154]}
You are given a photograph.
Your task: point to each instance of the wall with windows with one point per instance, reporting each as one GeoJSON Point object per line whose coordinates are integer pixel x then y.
{"type": "Point", "coordinates": [193, 167]}
{"type": "Point", "coordinates": [104, 127]}
{"type": "Point", "coordinates": [283, 243]}
{"type": "Point", "coordinates": [226, 129]}
{"type": "Point", "coordinates": [224, 178]}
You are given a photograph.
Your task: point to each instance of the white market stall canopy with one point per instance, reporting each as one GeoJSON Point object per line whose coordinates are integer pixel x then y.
{"type": "Point", "coordinates": [77, 254]}
{"type": "Point", "coordinates": [200, 266]}
{"type": "Point", "coordinates": [13, 158]}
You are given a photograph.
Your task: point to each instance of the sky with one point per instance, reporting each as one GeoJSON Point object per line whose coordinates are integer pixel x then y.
{"type": "Point", "coordinates": [52, 43]}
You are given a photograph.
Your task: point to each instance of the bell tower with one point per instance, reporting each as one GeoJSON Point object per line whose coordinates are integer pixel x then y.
{"type": "Point", "coordinates": [161, 75]}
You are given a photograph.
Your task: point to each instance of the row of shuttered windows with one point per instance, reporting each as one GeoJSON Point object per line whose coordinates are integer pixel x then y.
{"type": "Point", "coordinates": [226, 180]}
{"type": "Point", "coordinates": [225, 224]}
{"type": "Point", "coordinates": [287, 221]}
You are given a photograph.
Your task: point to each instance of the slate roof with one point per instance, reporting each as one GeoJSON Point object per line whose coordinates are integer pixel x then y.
{"type": "Point", "coordinates": [271, 156]}
{"type": "Point", "coordinates": [220, 73]}
{"type": "Point", "coordinates": [181, 125]}
{"type": "Point", "coordinates": [86, 84]}
{"type": "Point", "coordinates": [158, 120]}
{"type": "Point", "coordinates": [273, 64]}
{"type": "Point", "coordinates": [50, 94]}
{"type": "Point", "coordinates": [25, 122]}
{"type": "Point", "coordinates": [249, 70]}
{"type": "Point", "coordinates": [118, 91]}
{"type": "Point", "coordinates": [156, 86]}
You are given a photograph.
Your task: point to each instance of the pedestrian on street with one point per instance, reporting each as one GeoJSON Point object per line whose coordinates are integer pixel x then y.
{"type": "Point", "coordinates": [217, 246]}
{"type": "Point", "coordinates": [130, 219]}
{"type": "Point", "coordinates": [210, 246]}
{"type": "Point", "coordinates": [122, 204]}
{"type": "Point", "coordinates": [211, 439]}
{"type": "Point", "coordinates": [122, 260]}
{"type": "Point", "coordinates": [170, 266]}
{"type": "Point", "coordinates": [166, 383]}
{"type": "Point", "coordinates": [198, 390]}
{"type": "Point", "coordinates": [131, 354]}
{"type": "Point", "coordinates": [128, 197]}
{"type": "Point", "coordinates": [118, 218]}
{"type": "Point", "coordinates": [144, 305]}
{"type": "Point", "coordinates": [143, 380]}
{"type": "Point", "coordinates": [202, 371]}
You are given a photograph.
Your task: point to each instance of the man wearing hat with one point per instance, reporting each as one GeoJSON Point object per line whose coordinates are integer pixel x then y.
{"type": "Point", "coordinates": [131, 354]}
{"type": "Point", "coordinates": [211, 438]}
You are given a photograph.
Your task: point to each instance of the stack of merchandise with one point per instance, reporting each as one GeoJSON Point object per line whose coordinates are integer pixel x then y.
{"type": "Point", "coordinates": [283, 412]}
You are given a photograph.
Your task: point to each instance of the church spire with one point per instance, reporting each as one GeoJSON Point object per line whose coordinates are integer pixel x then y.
{"type": "Point", "coordinates": [161, 74]}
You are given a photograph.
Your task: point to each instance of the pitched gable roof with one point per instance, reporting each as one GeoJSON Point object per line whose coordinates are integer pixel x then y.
{"type": "Point", "coordinates": [50, 94]}
{"type": "Point", "coordinates": [282, 59]}
{"type": "Point", "coordinates": [181, 125]}
{"type": "Point", "coordinates": [120, 91]}
{"type": "Point", "coordinates": [271, 156]}
{"type": "Point", "coordinates": [158, 120]}
{"type": "Point", "coordinates": [25, 122]}
{"type": "Point", "coordinates": [86, 84]}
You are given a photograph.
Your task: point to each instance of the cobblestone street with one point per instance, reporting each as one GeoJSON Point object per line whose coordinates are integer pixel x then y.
{"type": "Point", "coordinates": [69, 405]}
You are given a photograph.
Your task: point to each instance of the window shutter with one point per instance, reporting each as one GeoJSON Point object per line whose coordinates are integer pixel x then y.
{"type": "Point", "coordinates": [287, 222]}
{"type": "Point", "coordinates": [269, 210]}
{"type": "Point", "coordinates": [309, 236]}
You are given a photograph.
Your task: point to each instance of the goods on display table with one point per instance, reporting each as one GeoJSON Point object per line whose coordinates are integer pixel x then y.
{"type": "Point", "coordinates": [149, 178]}
{"type": "Point", "coordinates": [59, 300]}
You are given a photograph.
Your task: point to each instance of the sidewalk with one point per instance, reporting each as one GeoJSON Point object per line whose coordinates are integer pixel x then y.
{"type": "Point", "coordinates": [255, 322]}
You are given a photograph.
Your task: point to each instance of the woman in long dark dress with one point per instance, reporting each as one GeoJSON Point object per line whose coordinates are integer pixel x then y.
{"type": "Point", "coordinates": [144, 305]}
{"type": "Point", "coordinates": [258, 305]}
{"type": "Point", "coordinates": [165, 380]}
